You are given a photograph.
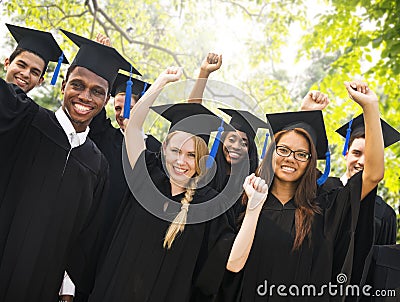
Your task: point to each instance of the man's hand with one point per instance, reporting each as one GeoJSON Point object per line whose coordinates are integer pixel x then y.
{"type": "Point", "coordinates": [360, 93]}
{"type": "Point", "coordinates": [211, 63]}
{"type": "Point", "coordinates": [102, 39]}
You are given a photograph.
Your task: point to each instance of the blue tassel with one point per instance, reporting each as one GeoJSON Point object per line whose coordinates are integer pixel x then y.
{"type": "Point", "coordinates": [57, 70]}
{"type": "Point", "coordinates": [265, 146]}
{"type": "Point", "coordinates": [214, 148]}
{"type": "Point", "coordinates": [128, 96]}
{"type": "Point", "coordinates": [144, 90]}
{"type": "Point", "coordinates": [346, 143]}
{"type": "Point", "coordinates": [324, 177]}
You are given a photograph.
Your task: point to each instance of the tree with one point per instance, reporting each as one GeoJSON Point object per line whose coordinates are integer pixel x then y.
{"type": "Point", "coordinates": [352, 38]}
{"type": "Point", "coordinates": [363, 35]}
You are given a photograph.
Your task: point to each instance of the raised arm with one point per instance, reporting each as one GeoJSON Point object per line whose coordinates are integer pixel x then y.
{"type": "Point", "coordinates": [314, 100]}
{"type": "Point", "coordinates": [256, 190]}
{"type": "Point", "coordinates": [133, 131]}
{"type": "Point", "coordinates": [210, 64]}
{"type": "Point", "coordinates": [374, 159]}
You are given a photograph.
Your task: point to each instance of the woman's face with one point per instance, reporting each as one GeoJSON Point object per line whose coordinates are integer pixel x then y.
{"type": "Point", "coordinates": [288, 168]}
{"type": "Point", "coordinates": [235, 147]}
{"type": "Point", "coordinates": [180, 159]}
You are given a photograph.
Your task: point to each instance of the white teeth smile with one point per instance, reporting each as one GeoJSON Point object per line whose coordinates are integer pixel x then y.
{"type": "Point", "coordinates": [288, 169]}
{"type": "Point", "coordinates": [179, 170]}
{"type": "Point", "coordinates": [21, 81]}
{"type": "Point", "coordinates": [81, 107]}
{"type": "Point", "coordinates": [234, 155]}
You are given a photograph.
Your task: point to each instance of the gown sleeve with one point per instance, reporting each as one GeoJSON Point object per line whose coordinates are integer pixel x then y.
{"type": "Point", "coordinates": [84, 255]}
{"type": "Point", "coordinates": [385, 223]}
{"type": "Point", "coordinates": [100, 123]}
{"type": "Point", "coordinates": [219, 237]}
{"type": "Point", "coordinates": [348, 221]}
{"type": "Point", "coordinates": [14, 106]}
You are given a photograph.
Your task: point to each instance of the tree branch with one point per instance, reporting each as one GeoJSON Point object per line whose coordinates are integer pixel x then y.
{"type": "Point", "coordinates": [125, 35]}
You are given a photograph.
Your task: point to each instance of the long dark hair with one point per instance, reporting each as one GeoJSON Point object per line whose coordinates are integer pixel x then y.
{"type": "Point", "coordinates": [304, 197]}
{"type": "Point", "coordinates": [224, 168]}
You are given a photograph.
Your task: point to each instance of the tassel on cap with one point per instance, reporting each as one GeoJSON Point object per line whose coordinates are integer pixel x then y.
{"type": "Point", "coordinates": [144, 90]}
{"type": "Point", "coordinates": [346, 143]}
{"type": "Point", "coordinates": [57, 70]}
{"type": "Point", "coordinates": [128, 96]}
{"type": "Point", "coordinates": [214, 148]}
{"type": "Point", "coordinates": [265, 145]}
{"type": "Point", "coordinates": [322, 179]}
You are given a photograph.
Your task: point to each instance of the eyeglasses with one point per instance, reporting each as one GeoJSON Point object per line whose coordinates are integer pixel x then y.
{"type": "Point", "coordinates": [298, 155]}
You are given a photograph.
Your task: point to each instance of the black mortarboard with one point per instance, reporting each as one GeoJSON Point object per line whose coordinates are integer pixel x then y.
{"type": "Point", "coordinates": [245, 121]}
{"type": "Point", "coordinates": [390, 135]}
{"type": "Point", "coordinates": [152, 144]}
{"type": "Point", "coordinates": [138, 87]}
{"type": "Point", "coordinates": [39, 42]}
{"type": "Point", "coordinates": [105, 61]}
{"type": "Point", "coordinates": [190, 117]}
{"type": "Point", "coordinates": [311, 121]}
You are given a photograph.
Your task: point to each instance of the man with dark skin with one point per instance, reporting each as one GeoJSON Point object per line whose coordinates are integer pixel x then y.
{"type": "Point", "coordinates": [54, 181]}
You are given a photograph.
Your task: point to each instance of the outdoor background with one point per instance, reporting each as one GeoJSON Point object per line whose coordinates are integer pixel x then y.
{"type": "Point", "coordinates": [273, 51]}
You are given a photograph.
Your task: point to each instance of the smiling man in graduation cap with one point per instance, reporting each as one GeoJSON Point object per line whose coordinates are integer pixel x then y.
{"type": "Point", "coordinates": [385, 216]}
{"type": "Point", "coordinates": [54, 180]}
{"type": "Point", "coordinates": [26, 66]}
{"type": "Point", "coordinates": [382, 229]}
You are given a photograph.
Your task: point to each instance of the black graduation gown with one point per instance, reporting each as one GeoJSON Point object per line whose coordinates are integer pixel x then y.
{"type": "Point", "coordinates": [51, 202]}
{"type": "Point", "coordinates": [138, 268]}
{"type": "Point", "coordinates": [385, 274]}
{"type": "Point", "coordinates": [272, 262]}
{"type": "Point", "coordinates": [384, 215]}
{"type": "Point", "coordinates": [385, 223]}
{"type": "Point", "coordinates": [109, 140]}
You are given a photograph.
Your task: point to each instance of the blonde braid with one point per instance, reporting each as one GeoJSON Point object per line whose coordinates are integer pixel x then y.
{"type": "Point", "coordinates": [179, 222]}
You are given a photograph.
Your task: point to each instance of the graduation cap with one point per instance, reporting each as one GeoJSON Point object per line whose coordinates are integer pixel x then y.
{"type": "Point", "coordinates": [41, 43]}
{"type": "Point", "coordinates": [128, 85]}
{"type": "Point", "coordinates": [105, 61]}
{"type": "Point", "coordinates": [312, 122]}
{"type": "Point", "coordinates": [246, 122]}
{"type": "Point", "coordinates": [189, 117]}
{"type": "Point", "coordinates": [390, 135]}
{"type": "Point", "coordinates": [195, 119]}
{"type": "Point", "coordinates": [138, 87]}
{"type": "Point", "coordinates": [152, 144]}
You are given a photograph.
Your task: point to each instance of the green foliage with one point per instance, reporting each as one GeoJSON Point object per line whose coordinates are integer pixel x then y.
{"type": "Point", "coordinates": [352, 38]}
{"type": "Point", "coordinates": [363, 36]}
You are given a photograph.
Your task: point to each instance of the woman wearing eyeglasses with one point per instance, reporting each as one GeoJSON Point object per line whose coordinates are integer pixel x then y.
{"type": "Point", "coordinates": [284, 249]}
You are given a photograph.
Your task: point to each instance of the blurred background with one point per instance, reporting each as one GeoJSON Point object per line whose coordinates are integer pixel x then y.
{"type": "Point", "coordinates": [274, 52]}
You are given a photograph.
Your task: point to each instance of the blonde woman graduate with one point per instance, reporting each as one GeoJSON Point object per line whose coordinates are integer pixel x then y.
{"type": "Point", "coordinates": [173, 238]}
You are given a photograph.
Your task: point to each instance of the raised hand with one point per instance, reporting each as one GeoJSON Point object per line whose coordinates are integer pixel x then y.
{"type": "Point", "coordinates": [102, 39]}
{"type": "Point", "coordinates": [360, 93]}
{"type": "Point", "coordinates": [256, 190]}
{"type": "Point", "coordinates": [314, 100]}
{"type": "Point", "coordinates": [211, 63]}
{"type": "Point", "coordinates": [171, 74]}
